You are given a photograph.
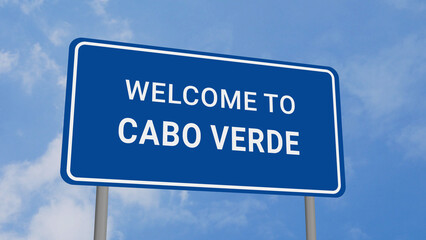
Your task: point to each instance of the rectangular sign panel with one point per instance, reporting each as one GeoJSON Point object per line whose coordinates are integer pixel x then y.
{"type": "Point", "coordinates": [142, 116]}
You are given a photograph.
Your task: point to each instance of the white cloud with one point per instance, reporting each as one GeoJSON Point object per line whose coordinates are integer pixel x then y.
{"type": "Point", "coordinates": [8, 60]}
{"type": "Point", "coordinates": [26, 6]}
{"type": "Point", "coordinates": [64, 219]}
{"type": "Point", "coordinates": [146, 198]}
{"type": "Point", "coordinates": [37, 204]}
{"type": "Point", "coordinates": [99, 6]}
{"type": "Point", "coordinates": [57, 35]}
{"type": "Point", "coordinates": [227, 213]}
{"type": "Point", "coordinates": [119, 29]}
{"type": "Point", "coordinates": [219, 38]}
{"type": "Point", "coordinates": [383, 81]}
{"type": "Point", "coordinates": [184, 196]}
{"type": "Point", "coordinates": [29, 5]}
{"type": "Point", "coordinates": [386, 93]}
{"type": "Point", "coordinates": [412, 138]}
{"type": "Point", "coordinates": [19, 180]}
{"type": "Point", "coordinates": [38, 67]}
{"type": "Point", "coordinates": [357, 234]}
{"type": "Point", "coordinates": [10, 236]}
{"type": "Point", "coordinates": [414, 5]}
{"type": "Point", "coordinates": [123, 33]}
{"type": "Point", "coordinates": [209, 216]}
{"type": "Point", "coordinates": [62, 81]}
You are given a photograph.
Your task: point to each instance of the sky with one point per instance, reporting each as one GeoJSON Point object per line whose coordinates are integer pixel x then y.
{"type": "Point", "coordinates": [377, 47]}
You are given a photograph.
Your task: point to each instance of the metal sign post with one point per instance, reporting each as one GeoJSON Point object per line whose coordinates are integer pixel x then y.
{"type": "Point", "coordinates": [147, 115]}
{"type": "Point", "coordinates": [101, 213]}
{"type": "Point", "coordinates": [311, 232]}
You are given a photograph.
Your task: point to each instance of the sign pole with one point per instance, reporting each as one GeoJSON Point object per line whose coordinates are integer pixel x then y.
{"type": "Point", "coordinates": [310, 218]}
{"type": "Point", "coordinates": [101, 213]}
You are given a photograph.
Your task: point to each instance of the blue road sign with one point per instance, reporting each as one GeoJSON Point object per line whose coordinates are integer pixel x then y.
{"type": "Point", "coordinates": [143, 116]}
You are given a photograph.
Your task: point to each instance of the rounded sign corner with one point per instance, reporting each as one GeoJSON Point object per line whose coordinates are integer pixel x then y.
{"type": "Point", "coordinates": [77, 41]}
{"type": "Point", "coordinates": [332, 72]}
{"type": "Point", "coordinates": [339, 191]}
{"type": "Point", "coordinates": [67, 176]}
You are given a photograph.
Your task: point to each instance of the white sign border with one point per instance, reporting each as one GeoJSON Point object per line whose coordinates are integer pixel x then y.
{"type": "Point", "coordinates": [196, 185]}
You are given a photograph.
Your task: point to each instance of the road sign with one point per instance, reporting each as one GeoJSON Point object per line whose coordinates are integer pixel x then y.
{"type": "Point", "coordinates": [143, 116]}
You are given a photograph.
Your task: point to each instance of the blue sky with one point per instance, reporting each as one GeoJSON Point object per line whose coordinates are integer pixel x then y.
{"type": "Point", "coordinates": [377, 47]}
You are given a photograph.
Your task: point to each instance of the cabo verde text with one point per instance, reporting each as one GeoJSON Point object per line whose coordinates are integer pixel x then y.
{"type": "Point", "coordinates": [244, 139]}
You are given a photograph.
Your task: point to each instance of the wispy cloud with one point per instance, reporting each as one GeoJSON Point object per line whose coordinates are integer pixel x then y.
{"type": "Point", "coordinates": [213, 216]}
{"type": "Point", "coordinates": [62, 219]}
{"type": "Point", "coordinates": [99, 6]}
{"type": "Point", "coordinates": [58, 35]}
{"type": "Point", "coordinates": [29, 5]}
{"type": "Point", "coordinates": [412, 137]}
{"type": "Point", "coordinates": [219, 38]}
{"type": "Point", "coordinates": [23, 178]}
{"type": "Point", "coordinates": [384, 81]}
{"type": "Point", "coordinates": [26, 6]}
{"type": "Point", "coordinates": [146, 198]}
{"type": "Point", "coordinates": [38, 67]}
{"type": "Point", "coordinates": [413, 5]}
{"type": "Point", "coordinates": [8, 60]}
{"type": "Point", "coordinates": [119, 29]}
{"type": "Point", "coordinates": [356, 233]}
{"type": "Point", "coordinates": [386, 91]}
{"type": "Point", "coordinates": [36, 204]}
{"type": "Point", "coordinates": [34, 196]}
{"type": "Point", "coordinates": [226, 213]}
